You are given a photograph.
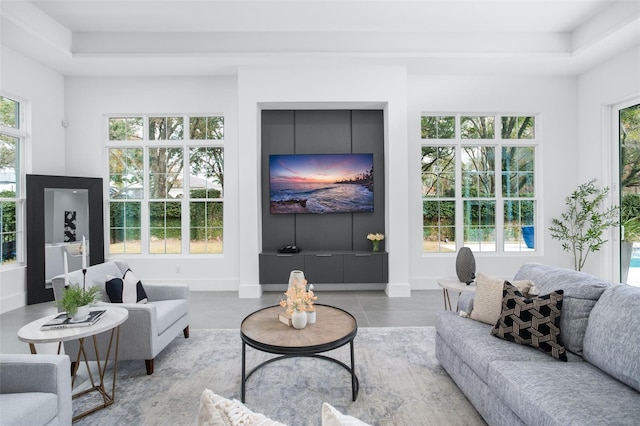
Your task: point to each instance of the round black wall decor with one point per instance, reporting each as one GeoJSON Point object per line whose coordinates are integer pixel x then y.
{"type": "Point", "coordinates": [466, 265]}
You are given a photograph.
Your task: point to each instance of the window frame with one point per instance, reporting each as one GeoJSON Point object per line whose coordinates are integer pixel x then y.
{"type": "Point", "coordinates": [21, 132]}
{"type": "Point", "coordinates": [147, 144]}
{"type": "Point", "coordinates": [457, 142]}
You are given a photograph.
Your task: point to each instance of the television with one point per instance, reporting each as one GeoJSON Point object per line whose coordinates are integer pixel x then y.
{"type": "Point", "coordinates": [321, 183]}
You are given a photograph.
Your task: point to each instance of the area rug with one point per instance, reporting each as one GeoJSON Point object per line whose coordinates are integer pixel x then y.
{"type": "Point", "coordinates": [401, 382]}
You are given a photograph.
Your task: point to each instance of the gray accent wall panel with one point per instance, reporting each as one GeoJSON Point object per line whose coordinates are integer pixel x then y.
{"type": "Point", "coordinates": [277, 138]}
{"type": "Point", "coordinates": [368, 136]}
{"type": "Point", "coordinates": [323, 132]}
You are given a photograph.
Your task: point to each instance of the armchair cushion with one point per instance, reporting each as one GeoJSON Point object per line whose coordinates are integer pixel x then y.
{"type": "Point", "coordinates": [170, 311]}
{"type": "Point", "coordinates": [35, 408]}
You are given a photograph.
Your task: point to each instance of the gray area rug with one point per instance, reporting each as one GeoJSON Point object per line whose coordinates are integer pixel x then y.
{"type": "Point", "coordinates": [401, 382]}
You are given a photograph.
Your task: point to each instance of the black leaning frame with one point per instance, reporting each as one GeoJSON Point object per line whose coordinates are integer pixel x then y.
{"type": "Point", "coordinates": [36, 184]}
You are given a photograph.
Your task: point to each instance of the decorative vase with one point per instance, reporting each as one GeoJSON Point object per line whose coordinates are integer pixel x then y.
{"type": "Point", "coordinates": [296, 278]}
{"type": "Point", "coordinates": [466, 265]}
{"type": "Point", "coordinates": [376, 245]}
{"type": "Point", "coordinates": [299, 319]}
{"type": "Point", "coordinates": [311, 317]}
{"type": "Point", "coordinates": [81, 313]}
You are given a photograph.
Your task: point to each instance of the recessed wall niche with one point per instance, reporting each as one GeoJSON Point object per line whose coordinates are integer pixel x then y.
{"type": "Point", "coordinates": [334, 247]}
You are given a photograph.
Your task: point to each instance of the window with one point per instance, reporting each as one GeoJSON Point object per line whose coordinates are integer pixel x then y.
{"type": "Point", "coordinates": [12, 136]}
{"type": "Point", "coordinates": [166, 184]}
{"type": "Point", "coordinates": [478, 183]}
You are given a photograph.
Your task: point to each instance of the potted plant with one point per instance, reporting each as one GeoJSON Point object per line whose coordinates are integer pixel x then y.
{"type": "Point", "coordinates": [581, 227]}
{"type": "Point", "coordinates": [630, 222]}
{"type": "Point", "coordinates": [75, 297]}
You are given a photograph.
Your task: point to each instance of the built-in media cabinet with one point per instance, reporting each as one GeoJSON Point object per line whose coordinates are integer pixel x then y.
{"type": "Point", "coordinates": [334, 246]}
{"type": "Point", "coordinates": [325, 267]}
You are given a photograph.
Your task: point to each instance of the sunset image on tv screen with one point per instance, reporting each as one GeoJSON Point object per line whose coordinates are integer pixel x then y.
{"type": "Point", "coordinates": [321, 183]}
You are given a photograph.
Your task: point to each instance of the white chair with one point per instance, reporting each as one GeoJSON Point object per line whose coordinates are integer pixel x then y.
{"type": "Point", "coordinates": [150, 327]}
{"type": "Point", "coordinates": [35, 389]}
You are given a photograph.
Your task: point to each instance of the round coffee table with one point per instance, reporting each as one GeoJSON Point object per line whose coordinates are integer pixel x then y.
{"type": "Point", "coordinates": [263, 331]}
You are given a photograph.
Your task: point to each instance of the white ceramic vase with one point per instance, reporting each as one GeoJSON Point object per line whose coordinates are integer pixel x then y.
{"type": "Point", "coordinates": [311, 317]}
{"type": "Point", "coordinates": [296, 278]}
{"type": "Point", "coordinates": [299, 319]}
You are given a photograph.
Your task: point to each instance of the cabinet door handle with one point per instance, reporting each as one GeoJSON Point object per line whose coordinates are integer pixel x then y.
{"type": "Point", "coordinates": [363, 254]}
{"type": "Point", "coordinates": [284, 255]}
{"type": "Point", "coordinates": [324, 255]}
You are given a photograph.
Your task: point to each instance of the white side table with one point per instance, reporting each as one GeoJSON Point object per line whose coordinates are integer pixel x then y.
{"type": "Point", "coordinates": [110, 321]}
{"type": "Point", "coordinates": [453, 283]}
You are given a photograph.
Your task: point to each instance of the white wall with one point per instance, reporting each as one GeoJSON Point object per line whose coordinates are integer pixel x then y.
{"type": "Point", "coordinates": [89, 100]}
{"type": "Point", "coordinates": [381, 87]}
{"type": "Point", "coordinates": [614, 81]}
{"type": "Point", "coordinates": [570, 111]}
{"type": "Point", "coordinates": [555, 100]}
{"type": "Point", "coordinates": [43, 90]}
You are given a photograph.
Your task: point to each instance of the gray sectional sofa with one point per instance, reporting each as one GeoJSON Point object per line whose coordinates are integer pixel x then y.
{"type": "Point", "coordinates": [513, 384]}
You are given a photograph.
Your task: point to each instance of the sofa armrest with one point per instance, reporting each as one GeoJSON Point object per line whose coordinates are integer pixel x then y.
{"type": "Point", "coordinates": [157, 292]}
{"type": "Point", "coordinates": [39, 373]}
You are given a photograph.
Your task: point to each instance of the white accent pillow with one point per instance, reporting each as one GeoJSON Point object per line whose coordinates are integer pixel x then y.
{"type": "Point", "coordinates": [333, 417]}
{"type": "Point", "coordinates": [127, 289]}
{"type": "Point", "coordinates": [216, 410]}
{"type": "Point", "coordinates": [487, 303]}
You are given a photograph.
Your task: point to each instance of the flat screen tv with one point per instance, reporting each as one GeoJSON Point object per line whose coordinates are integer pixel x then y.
{"type": "Point", "coordinates": [321, 183]}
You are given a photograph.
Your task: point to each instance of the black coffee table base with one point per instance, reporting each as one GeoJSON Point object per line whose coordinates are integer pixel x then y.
{"type": "Point", "coordinates": [355, 384]}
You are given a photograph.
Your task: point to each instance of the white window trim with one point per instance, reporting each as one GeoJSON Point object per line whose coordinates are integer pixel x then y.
{"type": "Point", "coordinates": [498, 143]}
{"type": "Point", "coordinates": [186, 143]}
{"type": "Point", "coordinates": [23, 133]}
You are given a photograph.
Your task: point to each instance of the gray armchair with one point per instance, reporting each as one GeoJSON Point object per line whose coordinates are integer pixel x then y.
{"type": "Point", "coordinates": [150, 327]}
{"type": "Point", "coordinates": [35, 390]}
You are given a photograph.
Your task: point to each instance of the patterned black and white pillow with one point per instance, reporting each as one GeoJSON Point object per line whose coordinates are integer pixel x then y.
{"type": "Point", "coordinates": [127, 289]}
{"type": "Point", "coordinates": [533, 321]}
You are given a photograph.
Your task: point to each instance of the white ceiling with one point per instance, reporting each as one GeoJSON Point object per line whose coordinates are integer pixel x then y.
{"type": "Point", "coordinates": [214, 37]}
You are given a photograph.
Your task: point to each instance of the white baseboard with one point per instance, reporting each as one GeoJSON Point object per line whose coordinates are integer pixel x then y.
{"type": "Point", "coordinates": [13, 301]}
{"type": "Point", "coordinates": [398, 290]}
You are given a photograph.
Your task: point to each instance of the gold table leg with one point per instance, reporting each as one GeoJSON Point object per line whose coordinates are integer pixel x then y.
{"type": "Point", "coordinates": [107, 399]}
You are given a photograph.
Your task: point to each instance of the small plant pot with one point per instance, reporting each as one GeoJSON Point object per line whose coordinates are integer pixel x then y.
{"type": "Point", "coordinates": [81, 314]}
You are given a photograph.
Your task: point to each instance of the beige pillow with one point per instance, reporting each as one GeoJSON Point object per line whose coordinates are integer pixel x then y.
{"type": "Point", "coordinates": [218, 411]}
{"type": "Point", "coordinates": [333, 417]}
{"type": "Point", "coordinates": [487, 303]}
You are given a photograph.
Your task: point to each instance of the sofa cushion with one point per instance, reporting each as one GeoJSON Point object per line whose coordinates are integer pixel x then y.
{"type": "Point", "coordinates": [477, 347]}
{"type": "Point", "coordinates": [581, 291]}
{"type": "Point", "coordinates": [531, 321]}
{"type": "Point", "coordinates": [558, 393]}
{"type": "Point", "coordinates": [170, 311]}
{"type": "Point", "coordinates": [487, 302]}
{"type": "Point", "coordinates": [612, 338]}
{"type": "Point", "coordinates": [32, 408]}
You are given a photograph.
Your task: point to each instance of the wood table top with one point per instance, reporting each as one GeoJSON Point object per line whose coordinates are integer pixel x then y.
{"type": "Point", "coordinates": [333, 328]}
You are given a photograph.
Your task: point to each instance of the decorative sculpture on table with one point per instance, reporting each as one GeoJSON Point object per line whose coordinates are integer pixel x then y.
{"type": "Point", "coordinates": [466, 265]}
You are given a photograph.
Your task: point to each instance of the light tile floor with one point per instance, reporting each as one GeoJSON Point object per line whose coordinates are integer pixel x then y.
{"type": "Point", "coordinates": [224, 310]}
